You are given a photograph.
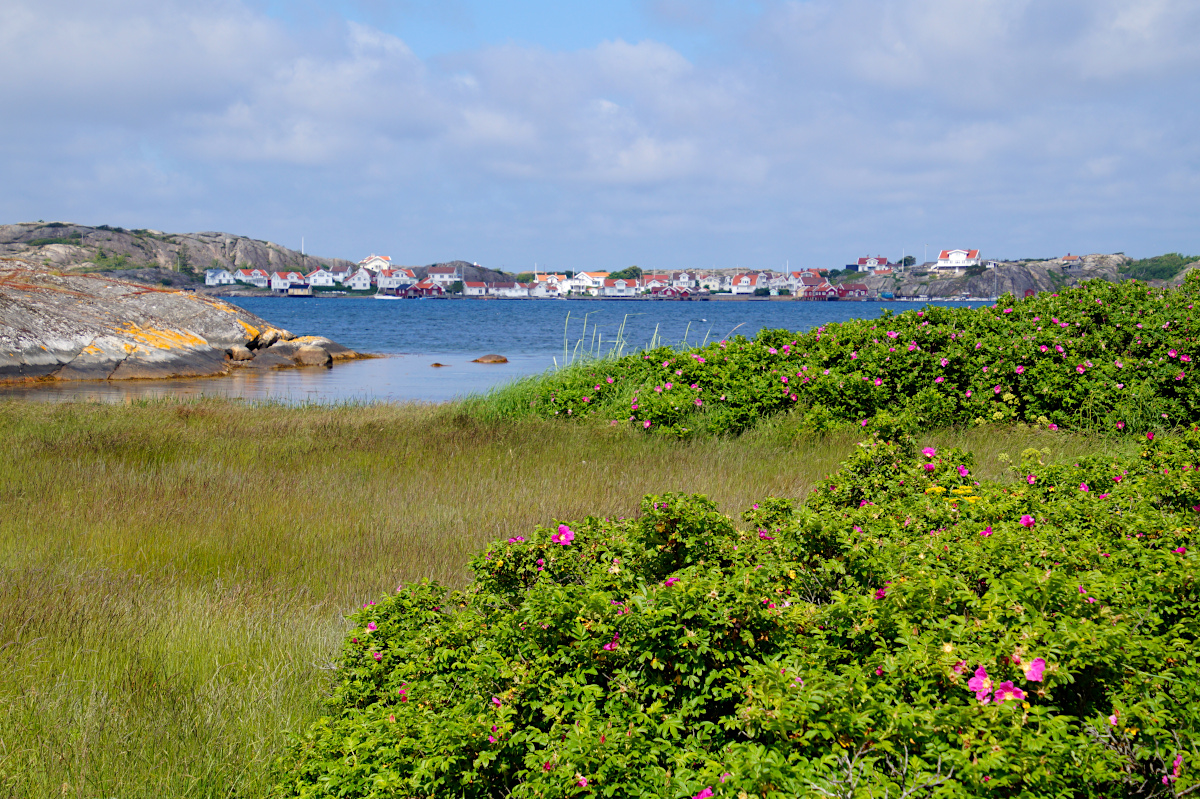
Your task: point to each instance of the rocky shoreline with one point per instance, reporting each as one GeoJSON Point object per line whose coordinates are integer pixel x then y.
{"type": "Point", "coordinates": [71, 326]}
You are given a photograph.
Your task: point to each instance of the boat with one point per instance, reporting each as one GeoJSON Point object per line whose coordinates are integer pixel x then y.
{"type": "Point", "coordinates": [386, 297]}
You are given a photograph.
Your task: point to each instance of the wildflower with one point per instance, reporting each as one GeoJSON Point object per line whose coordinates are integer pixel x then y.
{"type": "Point", "coordinates": [646, 424]}
{"type": "Point", "coordinates": [377, 655]}
{"type": "Point", "coordinates": [939, 379]}
{"type": "Point", "coordinates": [704, 794]}
{"type": "Point", "coordinates": [564, 536]}
{"type": "Point", "coordinates": [1149, 436]}
{"type": "Point", "coordinates": [986, 532]}
{"type": "Point", "coordinates": [516, 540]}
{"type": "Point", "coordinates": [1043, 348]}
{"type": "Point", "coordinates": [963, 471]}
{"type": "Point", "coordinates": [1020, 370]}
{"type": "Point", "coordinates": [541, 564]}
{"type": "Point", "coordinates": [1058, 348]}
{"type": "Point", "coordinates": [968, 393]}
{"type": "Point", "coordinates": [1027, 520]}
{"type": "Point", "coordinates": [496, 701]}
{"type": "Point", "coordinates": [878, 381]}
{"type": "Point", "coordinates": [1053, 427]}
{"type": "Point", "coordinates": [878, 672]}
{"type": "Point", "coordinates": [892, 334]}
{"type": "Point", "coordinates": [670, 581]}
{"type": "Point", "coordinates": [912, 346]}
{"type": "Point", "coordinates": [1112, 720]}
{"type": "Point", "coordinates": [1084, 487]}
{"type": "Point", "coordinates": [853, 356]}
{"type": "Point", "coordinates": [981, 684]}
{"type": "Point", "coordinates": [929, 452]}
{"type": "Point", "coordinates": [960, 667]}
{"type": "Point", "coordinates": [1031, 479]}
{"type": "Point", "coordinates": [611, 645]}
{"type": "Point", "coordinates": [1180, 550]}
{"type": "Point", "coordinates": [881, 593]}
{"type": "Point", "coordinates": [1008, 310]}
{"type": "Point", "coordinates": [945, 362]}
{"type": "Point", "coordinates": [581, 780]}
{"type": "Point", "coordinates": [929, 467]}
{"type": "Point", "coordinates": [996, 390]}
{"type": "Point", "coordinates": [372, 626]}
{"type": "Point", "coordinates": [1172, 353]}
{"type": "Point", "coordinates": [1034, 669]}
{"type": "Point", "coordinates": [610, 380]}
{"type": "Point", "coordinates": [586, 399]}
{"type": "Point", "coordinates": [1006, 690]}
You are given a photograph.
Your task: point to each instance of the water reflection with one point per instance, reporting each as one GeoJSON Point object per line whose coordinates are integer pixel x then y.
{"type": "Point", "coordinates": [409, 377]}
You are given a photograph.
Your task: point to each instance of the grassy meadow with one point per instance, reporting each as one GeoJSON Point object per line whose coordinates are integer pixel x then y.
{"type": "Point", "coordinates": [173, 576]}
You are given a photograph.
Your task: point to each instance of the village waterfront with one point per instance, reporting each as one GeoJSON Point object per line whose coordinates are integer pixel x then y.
{"type": "Point", "coordinates": [535, 336]}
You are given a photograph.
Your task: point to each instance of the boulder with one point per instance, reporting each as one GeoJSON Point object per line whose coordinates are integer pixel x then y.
{"type": "Point", "coordinates": [265, 359]}
{"type": "Point", "coordinates": [312, 355]}
{"type": "Point", "coordinates": [436, 365]}
{"type": "Point", "coordinates": [264, 339]}
{"type": "Point", "coordinates": [239, 353]}
{"type": "Point", "coordinates": [493, 358]}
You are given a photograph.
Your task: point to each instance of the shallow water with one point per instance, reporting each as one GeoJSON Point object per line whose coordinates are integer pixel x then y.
{"type": "Point", "coordinates": [534, 335]}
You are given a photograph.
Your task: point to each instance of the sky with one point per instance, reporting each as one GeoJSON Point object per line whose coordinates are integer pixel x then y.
{"type": "Point", "coordinates": [670, 134]}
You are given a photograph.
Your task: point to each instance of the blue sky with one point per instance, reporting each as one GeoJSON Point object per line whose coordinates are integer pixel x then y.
{"type": "Point", "coordinates": [665, 133]}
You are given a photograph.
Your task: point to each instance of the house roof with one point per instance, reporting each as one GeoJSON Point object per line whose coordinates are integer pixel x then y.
{"type": "Point", "coordinates": [373, 256]}
{"type": "Point", "coordinates": [442, 270]}
{"type": "Point", "coordinates": [945, 254]}
{"type": "Point", "coordinates": [626, 282]}
{"type": "Point", "coordinates": [879, 259]}
{"type": "Point", "coordinates": [474, 284]}
{"type": "Point", "coordinates": [593, 275]}
{"type": "Point", "coordinates": [1069, 257]}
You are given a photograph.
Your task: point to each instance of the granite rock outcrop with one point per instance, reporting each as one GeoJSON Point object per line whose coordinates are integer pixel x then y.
{"type": "Point", "coordinates": [70, 326]}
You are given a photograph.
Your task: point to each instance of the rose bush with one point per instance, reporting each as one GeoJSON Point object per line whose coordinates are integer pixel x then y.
{"type": "Point", "coordinates": [1117, 356]}
{"type": "Point", "coordinates": [906, 628]}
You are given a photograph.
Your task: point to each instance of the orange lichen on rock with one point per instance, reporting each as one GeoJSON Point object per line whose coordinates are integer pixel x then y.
{"type": "Point", "coordinates": [161, 338]}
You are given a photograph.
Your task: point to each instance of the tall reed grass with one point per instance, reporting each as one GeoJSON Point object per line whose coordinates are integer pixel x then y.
{"type": "Point", "coordinates": [173, 577]}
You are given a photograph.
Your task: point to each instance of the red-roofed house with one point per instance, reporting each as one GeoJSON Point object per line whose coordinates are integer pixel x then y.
{"type": "Point", "coordinates": [395, 279]}
{"type": "Point", "coordinates": [375, 263]}
{"type": "Point", "coordinates": [443, 275]}
{"type": "Point", "coordinates": [744, 283]}
{"type": "Point", "coordinates": [282, 281]}
{"type": "Point", "coordinates": [255, 277]}
{"type": "Point", "coordinates": [957, 259]}
{"type": "Point", "coordinates": [655, 281]}
{"type": "Point", "coordinates": [852, 290]}
{"type": "Point", "coordinates": [426, 288]}
{"type": "Point", "coordinates": [474, 288]}
{"type": "Point", "coordinates": [620, 287]}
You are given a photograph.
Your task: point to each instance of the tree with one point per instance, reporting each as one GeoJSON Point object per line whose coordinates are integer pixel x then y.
{"type": "Point", "coordinates": [632, 272]}
{"type": "Point", "coordinates": [456, 287]}
{"type": "Point", "coordinates": [908, 260]}
{"type": "Point", "coordinates": [524, 277]}
{"type": "Point", "coordinates": [762, 292]}
{"type": "Point", "coordinates": [183, 263]}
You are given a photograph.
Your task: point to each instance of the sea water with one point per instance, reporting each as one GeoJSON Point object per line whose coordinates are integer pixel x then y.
{"type": "Point", "coordinates": [412, 335]}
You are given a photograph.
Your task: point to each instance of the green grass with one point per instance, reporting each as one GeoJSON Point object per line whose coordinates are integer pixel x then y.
{"type": "Point", "coordinates": [173, 577]}
{"type": "Point", "coordinates": [1160, 267]}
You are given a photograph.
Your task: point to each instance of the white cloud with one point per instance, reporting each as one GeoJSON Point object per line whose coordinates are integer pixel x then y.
{"type": "Point", "coordinates": [892, 112]}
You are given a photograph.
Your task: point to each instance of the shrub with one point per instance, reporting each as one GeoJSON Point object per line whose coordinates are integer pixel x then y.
{"type": "Point", "coordinates": [907, 628]}
{"type": "Point", "coordinates": [1101, 356]}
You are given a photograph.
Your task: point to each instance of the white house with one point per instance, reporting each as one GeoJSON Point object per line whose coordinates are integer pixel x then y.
{"type": "Point", "coordinates": [395, 279]}
{"type": "Point", "coordinates": [319, 277]}
{"type": "Point", "coordinates": [218, 277]}
{"type": "Point", "coordinates": [655, 281]}
{"type": "Point", "coordinates": [340, 273]}
{"type": "Point", "coordinates": [543, 289]}
{"type": "Point", "coordinates": [957, 259]}
{"type": "Point", "coordinates": [620, 288]}
{"type": "Point", "coordinates": [713, 282]}
{"type": "Point", "coordinates": [376, 263]}
{"type": "Point", "coordinates": [683, 280]}
{"type": "Point", "coordinates": [472, 288]}
{"type": "Point", "coordinates": [588, 282]}
{"type": "Point", "coordinates": [282, 281]}
{"type": "Point", "coordinates": [443, 275]}
{"type": "Point", "coordinates": [869, 264]}
{"type": "Point", "coordinates": [360, 281]}
{"type": "Point", "coordinates": [510, 290]}
{"type": "Point", "coordinates": [744, 283]}
{"type": "Point", "coordinates": [255, 277]}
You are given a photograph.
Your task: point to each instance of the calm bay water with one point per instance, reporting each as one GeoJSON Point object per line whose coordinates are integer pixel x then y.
{"type": "Point", "coordinates": [413, 334]}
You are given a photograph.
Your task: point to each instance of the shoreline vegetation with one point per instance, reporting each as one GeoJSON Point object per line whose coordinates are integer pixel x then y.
{"type": "Point", "coordinates": [175, 574]}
